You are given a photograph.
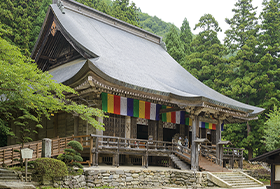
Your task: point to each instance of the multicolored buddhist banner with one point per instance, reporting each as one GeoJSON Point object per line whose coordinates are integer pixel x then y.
{"type": "Point", "coordinates": [189, 121]}
{"type": "Point", "coordinates": [177, 117]}
{"type": "Point", "coordinates": [205, 125]}
{"type": "Point", "coordinates": [137, 108]}
{"type": "Point", "coordinates": [129, 107]}
{"type": "Point", "coordinates": [211, 126]}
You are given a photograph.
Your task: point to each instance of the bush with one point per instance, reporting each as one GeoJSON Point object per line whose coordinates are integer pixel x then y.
{"type": "Point", "coordinates": [71, 157]}
{"type": "Point", "coordinates": [75, 145]}
{"type": "Point", "coordinates": [50, 168]}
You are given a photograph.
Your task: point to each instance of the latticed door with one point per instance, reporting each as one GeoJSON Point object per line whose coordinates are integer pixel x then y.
{"type": "Point", "coordinates": [114, 125]}
{"type": "Point", "coordinates": [213, 136]}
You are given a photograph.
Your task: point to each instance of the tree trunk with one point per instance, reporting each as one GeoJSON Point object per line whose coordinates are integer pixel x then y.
{"type": "Point", "coordinates": [250, 150]}
{"type": "Point", "coordinates": [250, 153]}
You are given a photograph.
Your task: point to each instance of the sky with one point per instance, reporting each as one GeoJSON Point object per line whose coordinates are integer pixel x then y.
{"type": "Point", "coordinates": [176, 10]}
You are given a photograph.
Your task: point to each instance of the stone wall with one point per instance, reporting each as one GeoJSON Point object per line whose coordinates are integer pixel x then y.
{"type": "Point", "coordinates": [135, 179]}
{"type": "Point", "coordinates": [258, 174]}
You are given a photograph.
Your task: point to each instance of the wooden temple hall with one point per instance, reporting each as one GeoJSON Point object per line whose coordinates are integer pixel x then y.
{"type": "Point", "coordinates": [149, 98]}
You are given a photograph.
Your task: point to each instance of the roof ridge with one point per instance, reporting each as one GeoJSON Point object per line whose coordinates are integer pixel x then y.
{"type": "Point", "coordinates": [105, 18]}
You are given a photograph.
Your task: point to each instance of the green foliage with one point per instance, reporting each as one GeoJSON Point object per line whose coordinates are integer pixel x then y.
{"type": "Point", "coordinates": [104, 6]}
{"type": "Point", "coordinates": [75, 145]}
{"type": "Point", "coordinates": [18, 17]}
{"type": "Point", "coordinates": [272, 130]}
{"type": "Point", "coordinates": [242, 25]}
{"type": "Point", "coordinates": [50, 168]}
{"type": "Point", "coordinates": [27, 94]}
{"type": "Point", "coordinates": [38, 22]}
{"type": "Point", "coordinates": [71, 157]}
{"type": "Point", "coordinates": [155, 25]}
{"type": "Point", "coordinates": [206, 60]}
{"type": "Point", "coordinates": [186, 36]}
{"type": "Point", "coordinates": [125, 11]}
{"type": "Point", "coordinates": [174, 45]}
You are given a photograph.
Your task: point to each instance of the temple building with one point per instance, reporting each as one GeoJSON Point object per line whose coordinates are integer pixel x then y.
{"type": "Point", "coordinates": [127, 72]}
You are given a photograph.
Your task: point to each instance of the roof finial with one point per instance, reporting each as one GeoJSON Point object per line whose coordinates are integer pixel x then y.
{"type": "Point", "coordinates": [61, 6]}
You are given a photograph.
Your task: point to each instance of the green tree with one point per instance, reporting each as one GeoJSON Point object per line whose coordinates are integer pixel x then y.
{"type": "Point", "coordinates": [174, 45]}
{"type": "Point", "coordinates": [71, 156]}
{"type": "Point", "coordinates": [101, 5]}
{"type": "Point", "coordinates": [248, 80]}
{"type": "Point", "coordinates": [27, 94]}
{"type": "Point", "coordinates": [270, 52]}
{"type": "Point", "coordinates": [186, 36]}
{"type": "Point", "coordinates": [242, 25]}
{"type": "Point", "coordinates": [154, 24]}
{"type": "Point", "coordinates": [206, 59]}
{"type": "Point", "coordinates": [38, 22]}
{"type": "Point", "coordinates": [125, 11]}
{"type": "Point", "coordinates": [18, 17]}
{"type": "Point", "coordinates": [272, 130]}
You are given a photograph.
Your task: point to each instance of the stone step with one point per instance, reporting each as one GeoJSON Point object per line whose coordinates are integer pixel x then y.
{"type": "Point", "coordinates": [237, 180]}
{"type": "Point", "coordinates": [7, 174]}
{"type": "Point", "coordinates": [246, 186]}
{"type": "Point", "coordinates": [3, 178]}
{"type": "Point", "coordinates": [180, 164]}
{"type": "Point", "coordinates": [6, 171]}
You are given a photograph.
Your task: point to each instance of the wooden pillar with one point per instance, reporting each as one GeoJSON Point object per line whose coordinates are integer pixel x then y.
{"type": "Point", "coordinates": [127, 126]}
{"type": "Point", "coordinates": [99, 132]}
{"type": "Point", "coordinates": [155, 130]}
{"type": "Point", "coordinates": [133, 133]}
{"type": "Point", "coordinates": [187, 133]}
{"type": "Point", "coordinates": [219, 148]}
{"type": "Point", "coordinates": [194, 152]}
{"type": "Point", "coordinates": [160, 130]}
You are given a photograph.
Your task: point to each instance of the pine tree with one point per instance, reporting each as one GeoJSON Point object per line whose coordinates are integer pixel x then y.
{"type": "Point", "coordinates": [206, 59]}
{"type": "Point", "coordinates": [242, 25]}
{"type": "Point", "coordinates": [186, 36]}
{"type": "Point", "coordinates": [125, 11]}
{"type": "Point", "coordinates": [174, 45]}
{"type": "Point", "coordinates": [100, 5]}
{"type": "Point", "coordinates": [18, 17]}
{"type": "Point", "coordinates": [247, 78]}
{"type": "Point", "coordinates": [37, 24]}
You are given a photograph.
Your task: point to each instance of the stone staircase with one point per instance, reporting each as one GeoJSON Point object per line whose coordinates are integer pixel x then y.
{"type": "Point", "coordinates": [179, 163]}
{"type": "Point", "coordinates": [234, 180]}
{"type": "Point", "coordinates": [8, 176]}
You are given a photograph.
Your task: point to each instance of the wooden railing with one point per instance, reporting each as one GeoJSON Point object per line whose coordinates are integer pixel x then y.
{"type": "Point", "coordinates": [10, 155]}
{"type": "Point", "coordinates": [111, 142]}
{"type": "Point", "coordinates": [233, 152]}
{"type": "Point", "coordinates": [209, 152]}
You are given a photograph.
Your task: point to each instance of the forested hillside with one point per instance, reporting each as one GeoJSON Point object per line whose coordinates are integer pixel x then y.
{"type": "Point", "coordinates": [246, 67]}
{"type": "Point", "coordinates": [154, 24]}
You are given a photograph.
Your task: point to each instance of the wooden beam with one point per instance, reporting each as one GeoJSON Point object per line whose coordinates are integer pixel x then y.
{"type": "Point", "coordinates": [161, 111]}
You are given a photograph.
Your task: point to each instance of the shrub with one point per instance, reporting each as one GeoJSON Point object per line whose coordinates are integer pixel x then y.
{"type": "Point", "coordinates": [71, 157]}
{"type": "Point", "coordinates": [50, 168]}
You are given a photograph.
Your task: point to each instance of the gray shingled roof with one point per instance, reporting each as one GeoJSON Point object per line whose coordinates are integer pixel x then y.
{"type": "Point", "coordinates": [127, 58]}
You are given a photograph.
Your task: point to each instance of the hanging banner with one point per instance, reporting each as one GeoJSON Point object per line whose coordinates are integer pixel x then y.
{"type": "Point", "coordinates": [177, 117]}
{"type": "Point", "coordinates": [206, 125]}
{"type": "Point", "coordinates": [137, 108]}
{"type": "Point", "coordinates": [129, 107]}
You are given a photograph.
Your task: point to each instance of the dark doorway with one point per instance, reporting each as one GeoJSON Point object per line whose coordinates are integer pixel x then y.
{"type": "Point", "coordinates": [168, 134]}
{"type": "Point", "coordinates": [142, 132]}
